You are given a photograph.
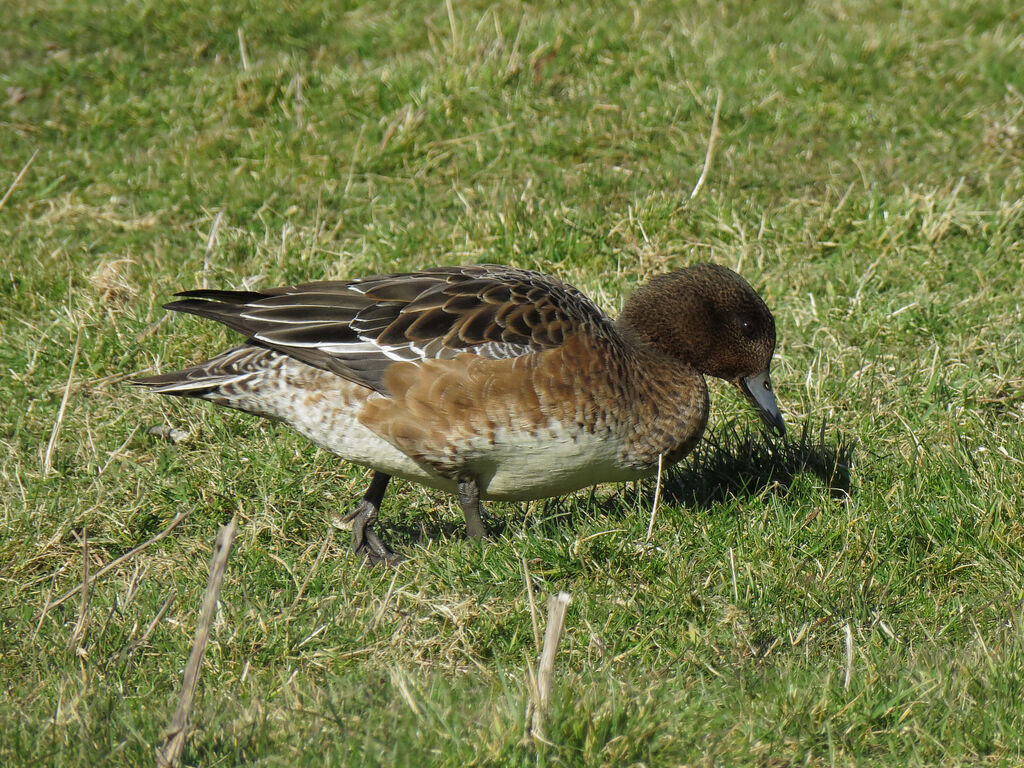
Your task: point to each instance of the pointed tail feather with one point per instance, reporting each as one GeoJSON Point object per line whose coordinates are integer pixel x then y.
{"type": "Point", "coordinates": [213, 379]}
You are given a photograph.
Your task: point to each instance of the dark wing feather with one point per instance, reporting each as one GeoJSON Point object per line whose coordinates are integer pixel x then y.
{"type": "Point", "coordinates": [358, 328]}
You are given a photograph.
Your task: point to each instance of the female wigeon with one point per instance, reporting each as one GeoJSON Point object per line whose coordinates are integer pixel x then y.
{"type": "Point", "coordinates": [487, 381]}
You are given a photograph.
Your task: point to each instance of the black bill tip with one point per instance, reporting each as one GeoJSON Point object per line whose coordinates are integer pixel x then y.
{"type": "Point", "coordinates": [758, 389]}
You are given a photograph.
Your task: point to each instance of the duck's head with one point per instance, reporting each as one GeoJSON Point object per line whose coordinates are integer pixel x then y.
{"type": "Point", "coordinates": [710, 317]}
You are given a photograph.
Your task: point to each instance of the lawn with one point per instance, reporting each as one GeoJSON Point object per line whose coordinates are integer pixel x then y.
{"type": "Point", "coordinates": [851, 595]}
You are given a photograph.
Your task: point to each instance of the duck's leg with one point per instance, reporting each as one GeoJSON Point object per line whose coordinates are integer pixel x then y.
{"type": "Point", "coordinates": [469, 500]}
{"type": "Point", "coordinates": [365, 540]}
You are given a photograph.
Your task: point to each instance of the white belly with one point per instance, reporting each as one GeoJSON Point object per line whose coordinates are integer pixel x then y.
{"type": "Point", "coordinates": [515, 467]}
{"type": "Point", "coordinates": [521, 466]}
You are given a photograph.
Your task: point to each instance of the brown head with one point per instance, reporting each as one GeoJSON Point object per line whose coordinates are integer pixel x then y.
{"type": "Point", "coordinates": [708, 316]}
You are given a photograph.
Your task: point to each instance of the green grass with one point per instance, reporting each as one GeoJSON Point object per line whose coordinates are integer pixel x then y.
{"type": "Point", "coordinates": [867, 180]}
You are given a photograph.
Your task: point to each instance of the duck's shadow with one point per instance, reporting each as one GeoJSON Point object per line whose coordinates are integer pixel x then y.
{"type": "Point", "coordinates": [728, 463]}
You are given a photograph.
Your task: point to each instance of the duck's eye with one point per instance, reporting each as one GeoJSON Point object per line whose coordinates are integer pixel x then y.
{"type": "Point", "coordinates": [748, 328]}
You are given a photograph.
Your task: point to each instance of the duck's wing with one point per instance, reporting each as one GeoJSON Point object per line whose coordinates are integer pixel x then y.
{"type": "Point", "coordinates": [357, 328]}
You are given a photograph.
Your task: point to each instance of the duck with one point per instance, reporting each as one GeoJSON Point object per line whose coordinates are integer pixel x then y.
{"type": "Point", "coordinates": [485, 381]}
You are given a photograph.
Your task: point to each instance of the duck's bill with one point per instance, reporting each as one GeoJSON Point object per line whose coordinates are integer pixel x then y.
{"type": "Point", "coordinates": [758, 389]}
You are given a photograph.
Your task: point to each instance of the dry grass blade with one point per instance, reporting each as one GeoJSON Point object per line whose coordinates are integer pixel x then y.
{"type": "Point", "coordinates": [48, 456]}
{"type": "Point", "coordinates": [848, 672]}
{"type": "Point", "coordinates": [541, 689]}
{"type": "Point", "coordinates": [79, 631]}
{"type": "Point", "coordinates": [178, 730]}
{"type": "Point", "coordinates": [309, 575]}
{"type": "Point", "coordinates": [711, 148]}
{"type": "Point", "coordinates": [17, 180]}
{"type": "Point", "coordinates": [243, 54]}
{"type": "Point", "coordinates": [141, 640]}
{"type": "Point", "coordinates": [732, 572]}
{"type": "Point", "coordinates": [215, 227]}
{"type": "Point", "coordinates": [654, 504]}
{"type": "Point", "coordinates": [114, 563]}
{"type": "Point", "coordinates": [528, 583]}
{"type": "Point", "coordinates": [42, 613]}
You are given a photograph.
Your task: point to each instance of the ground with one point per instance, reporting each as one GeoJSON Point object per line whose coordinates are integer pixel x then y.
{"type": "Point", "coordinates": [850, 596]}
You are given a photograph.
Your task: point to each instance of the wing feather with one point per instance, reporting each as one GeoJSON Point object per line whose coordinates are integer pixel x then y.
{"type": "Point", "coordinates": [358, 328]}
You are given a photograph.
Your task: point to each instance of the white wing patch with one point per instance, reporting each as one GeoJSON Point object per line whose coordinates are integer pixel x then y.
{"type": "Point", "coordinates": [410, 352]}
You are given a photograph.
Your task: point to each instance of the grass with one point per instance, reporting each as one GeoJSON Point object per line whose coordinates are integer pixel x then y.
{"type": "Point", "coordinates": [850, 596]}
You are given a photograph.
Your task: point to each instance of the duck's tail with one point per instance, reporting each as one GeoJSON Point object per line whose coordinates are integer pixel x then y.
{"type": "Point", "coordinates": [225, 379]}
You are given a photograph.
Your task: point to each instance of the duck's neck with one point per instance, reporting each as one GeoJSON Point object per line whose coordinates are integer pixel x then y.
{"type": "Point", "coordinates": [670, 402]}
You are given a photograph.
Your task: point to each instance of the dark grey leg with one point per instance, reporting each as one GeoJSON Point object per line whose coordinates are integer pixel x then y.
{"type": "Point", "coordinates": [469, 500]}
{"type": "Point", "coordinates": [365, 540]}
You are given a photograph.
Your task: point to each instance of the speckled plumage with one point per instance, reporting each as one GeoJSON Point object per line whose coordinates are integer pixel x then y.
{"type": "Point", "coordinates": [502, 379]}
